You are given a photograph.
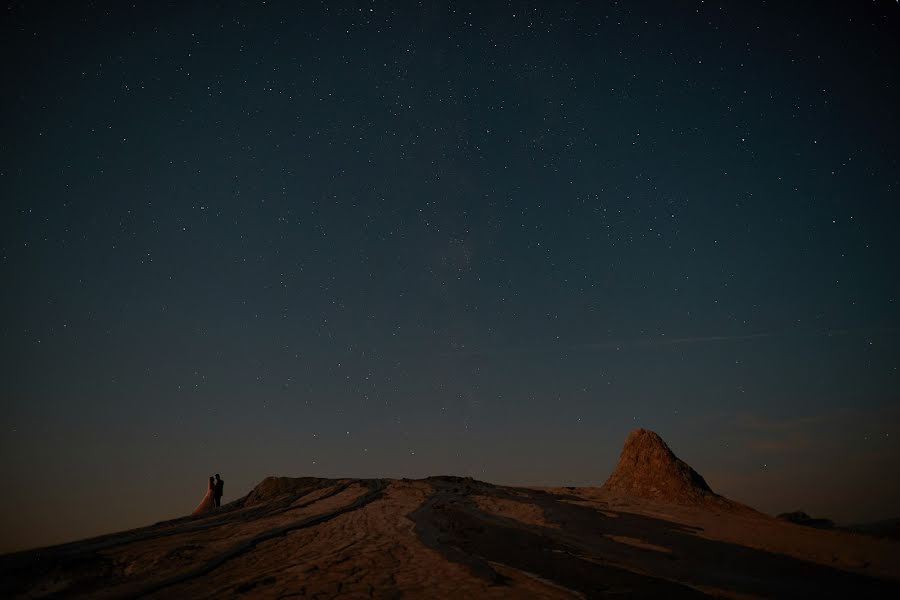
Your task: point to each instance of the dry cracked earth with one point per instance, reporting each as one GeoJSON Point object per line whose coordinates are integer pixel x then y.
{"type": "Point", "coordinates": [450, 537]}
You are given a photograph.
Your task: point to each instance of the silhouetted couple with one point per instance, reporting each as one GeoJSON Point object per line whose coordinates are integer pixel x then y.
{"type": "Point", "coordinates": [213, 497]}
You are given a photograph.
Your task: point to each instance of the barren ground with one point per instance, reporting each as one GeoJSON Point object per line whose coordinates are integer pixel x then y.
{"type": "Point", "coordinates": [448, 537]}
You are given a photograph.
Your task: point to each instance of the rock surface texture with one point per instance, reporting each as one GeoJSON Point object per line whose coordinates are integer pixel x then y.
{"type": "Point", "coordinates": [455, 537]}
{"type": "Point", "coordinates": [647, 468]}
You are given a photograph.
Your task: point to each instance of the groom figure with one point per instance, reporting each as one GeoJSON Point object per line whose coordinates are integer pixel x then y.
{"type": "Point", "coordinates": [220, 486]}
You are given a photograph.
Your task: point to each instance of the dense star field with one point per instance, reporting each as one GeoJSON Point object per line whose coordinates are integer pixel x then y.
{"type": "Point", "coordinates": [362, 239]}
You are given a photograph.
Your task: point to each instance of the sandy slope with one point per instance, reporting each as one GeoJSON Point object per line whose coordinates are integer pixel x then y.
{"type": "Point", "coordinates": [448, 537]}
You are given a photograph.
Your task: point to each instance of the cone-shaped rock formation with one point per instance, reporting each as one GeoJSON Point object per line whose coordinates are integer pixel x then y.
{"type": "Point", "coordinates": [649, 469]}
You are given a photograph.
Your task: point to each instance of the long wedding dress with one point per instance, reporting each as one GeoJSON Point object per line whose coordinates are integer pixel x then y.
{"type": "Point", "coordinates": [209, 500]}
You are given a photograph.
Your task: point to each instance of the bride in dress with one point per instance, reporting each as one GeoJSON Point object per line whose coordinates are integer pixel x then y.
{"type": "Point", "coordinates": [209, 500]}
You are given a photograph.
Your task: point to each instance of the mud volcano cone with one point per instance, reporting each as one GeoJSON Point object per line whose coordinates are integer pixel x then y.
{"type": "Point", "coordinates": [647, 468]}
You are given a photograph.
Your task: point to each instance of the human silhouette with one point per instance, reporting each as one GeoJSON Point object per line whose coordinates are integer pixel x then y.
{"type": "Point", "coordinates": [220, 487]}
{"type": "Point", "coordinates": [209, 501]}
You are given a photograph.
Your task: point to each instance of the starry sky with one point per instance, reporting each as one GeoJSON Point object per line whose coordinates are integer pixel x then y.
{"type": "Point", "coordinates": [373, 239]}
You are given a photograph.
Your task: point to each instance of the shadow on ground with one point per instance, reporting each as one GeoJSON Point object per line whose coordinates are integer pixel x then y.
{"type": "Point", "coordinates": [579, 551]}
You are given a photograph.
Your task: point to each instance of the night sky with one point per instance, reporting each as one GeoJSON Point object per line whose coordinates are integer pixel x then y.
{"type": "Point", "coordinates": [404, 239]}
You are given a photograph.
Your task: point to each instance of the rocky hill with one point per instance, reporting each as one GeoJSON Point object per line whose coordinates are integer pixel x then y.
{"type": "Point", "coordinates": [452, 537]}
{"type": "Point", "coordinates": [648, 469]}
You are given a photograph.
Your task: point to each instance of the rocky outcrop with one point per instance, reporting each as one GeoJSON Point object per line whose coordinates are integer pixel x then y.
{"type": "Point", "coordinates": [649, 469]}
{"type": "Point", "coordinates": [798, 517]}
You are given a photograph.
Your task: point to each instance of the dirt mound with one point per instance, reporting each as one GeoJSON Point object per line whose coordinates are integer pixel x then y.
{"type": "Point", "coordinates": [274, 487]}
{"type": "Point", "coordinates": [649, 469]}
{"type": "Point", "coordinates": [453, 537]}
{"type": "Point", "coordinates": [798, 517]}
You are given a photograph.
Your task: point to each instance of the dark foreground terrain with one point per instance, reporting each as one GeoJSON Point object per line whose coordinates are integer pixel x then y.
{"type": "Point", "coordinates": [456, 538]}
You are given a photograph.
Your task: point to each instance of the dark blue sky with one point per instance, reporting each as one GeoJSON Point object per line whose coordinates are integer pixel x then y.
{"type": "Point", "coordinates": [366, 239]}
